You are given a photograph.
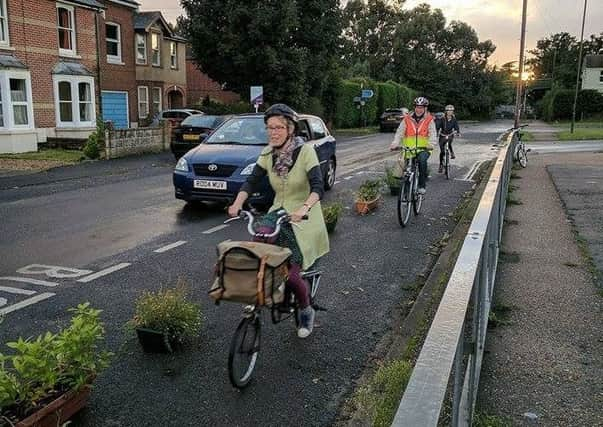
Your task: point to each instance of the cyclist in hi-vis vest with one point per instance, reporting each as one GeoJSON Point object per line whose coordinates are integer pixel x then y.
{"type": "Point", "coordinates": [418, 130]}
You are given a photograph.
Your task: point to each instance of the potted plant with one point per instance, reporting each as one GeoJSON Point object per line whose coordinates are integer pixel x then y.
{"type": "Point", "coordinates": [331, 213]}
{"type": "Point", "coordinates": [47, 380]}
{"type": "Point", "coordinates": [392, 181]}
{"type": "Point", "coordinates": [367, 196]}
{"type": "Point", "coordinates": [165, 319]}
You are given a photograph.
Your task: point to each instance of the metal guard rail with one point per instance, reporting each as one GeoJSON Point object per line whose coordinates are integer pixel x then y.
{"type": "Point", "coordinates": [454, 345]}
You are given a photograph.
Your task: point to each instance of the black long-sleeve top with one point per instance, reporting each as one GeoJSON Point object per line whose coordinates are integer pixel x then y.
{"type": "Point", "coordinates": [446, 126]}
{"type": "Point", "coordinates": [258, 173]}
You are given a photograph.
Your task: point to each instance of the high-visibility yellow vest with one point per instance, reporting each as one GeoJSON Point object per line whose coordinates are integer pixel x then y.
{"type": "Point", "coordinates": [417, 134]}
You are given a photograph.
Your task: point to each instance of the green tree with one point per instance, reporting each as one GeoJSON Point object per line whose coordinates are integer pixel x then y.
{"type": "Point", "coordinates": [273, 44]}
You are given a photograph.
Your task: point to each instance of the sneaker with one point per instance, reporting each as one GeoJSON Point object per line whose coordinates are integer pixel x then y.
{"type": "Point", "coordinates": [422, 191]}
{"type": "Point", "coordinates": [441, 169]}
{"type": "Point", "coordinates": [306, 322]}
{"type": "Point", "coordinates": [452, 156]}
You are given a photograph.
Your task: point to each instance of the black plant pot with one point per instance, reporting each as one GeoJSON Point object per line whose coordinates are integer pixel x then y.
{"type": "Point", "coordinates": [394, 191]}
{"type": "Point", "coordinates": [331, 226]}
{"type": "Point", "coordinates": [154, 341]}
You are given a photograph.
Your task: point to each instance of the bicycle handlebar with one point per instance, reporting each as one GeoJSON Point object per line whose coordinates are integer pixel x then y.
{"type": "Point", "coordinates": [283, 217]}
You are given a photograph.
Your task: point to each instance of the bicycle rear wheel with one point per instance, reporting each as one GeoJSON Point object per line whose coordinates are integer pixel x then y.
{"type": "Point", "coordinates": [417, 199]}
{"type": "Point", "coordinates": [404, 201]}
{"type": "Point", "coordinates": [447, 164]}
{"type": "Point", "coordinates": [244, 350]}
{"type": "Point", "coordinates": [522, 156]}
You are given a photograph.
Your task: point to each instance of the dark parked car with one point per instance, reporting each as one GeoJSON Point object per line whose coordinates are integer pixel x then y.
{"type": "Point", "coordinates": [390, 119]}
{"type": "Point", "coordinates": [216, 169]}
{"type": "Point", "coordinates": [192, 131]}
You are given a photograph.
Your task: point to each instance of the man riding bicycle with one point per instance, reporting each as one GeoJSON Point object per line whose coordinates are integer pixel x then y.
{"type": "Point", "coordinates": [295, 176]}
{"type": "Point", "coordinates": [417, 131]}
{"type": "Point", "coordinates": [447, 128]}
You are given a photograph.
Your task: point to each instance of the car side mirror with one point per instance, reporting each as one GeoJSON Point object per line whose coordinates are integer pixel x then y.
{"type": "Point", "coordinates": [203, 137]}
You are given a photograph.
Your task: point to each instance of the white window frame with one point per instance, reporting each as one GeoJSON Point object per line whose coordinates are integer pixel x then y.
{"type": "Point", "coordinates": [142, 37]}
{"type": "Point", "coordinates": [114, 59]}
{"type": "Point", "coordinates": [73, 50]}
{"type": "Point", "coordinates": [173, 55]}
{"type": "Point", "coordinates": [158, 63]}
{"type": "Point", "coordinates": [153, 91]}
{"type": "Point", "coordinates": [75, 101]}
{"type": "Point", "coordinates": [4, 25]}
{"type": "Point", "coordinates": [145, 89]}
{"type": "Point", "coordinates": [7, 103]}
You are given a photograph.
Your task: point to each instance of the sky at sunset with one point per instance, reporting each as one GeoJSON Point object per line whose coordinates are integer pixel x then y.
{"type": "Point", "coordinates": [497, 20]}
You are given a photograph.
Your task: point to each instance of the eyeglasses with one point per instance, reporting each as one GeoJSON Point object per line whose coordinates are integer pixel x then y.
{"type": "Point", "coordinates": [275, 128]}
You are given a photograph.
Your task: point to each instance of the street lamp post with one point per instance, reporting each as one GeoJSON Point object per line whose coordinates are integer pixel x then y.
{"type": "Point", "coordinates": [578, 72]}
{"type": "Point", "coordinates": [521, 49]}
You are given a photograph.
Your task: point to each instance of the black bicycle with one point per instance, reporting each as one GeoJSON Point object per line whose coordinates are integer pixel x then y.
{"type": "Point", "coordinates": [409, 189]}
{"type": "Point", "coordinates": [245, 344]}
{"type": "Point", "coordinates": [446, 163]}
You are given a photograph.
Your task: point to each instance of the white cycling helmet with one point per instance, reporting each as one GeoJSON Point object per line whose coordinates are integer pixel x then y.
{"type": "Point", "coordinates": [449, 108]}
{"type": "Point", "coordinates": [421, 101]}
{"type": "Point", "coordinates": [404, 110]}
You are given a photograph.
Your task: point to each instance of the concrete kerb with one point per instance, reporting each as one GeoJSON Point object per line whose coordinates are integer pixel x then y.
{"type": "Point", "coordinates": [415, 323]}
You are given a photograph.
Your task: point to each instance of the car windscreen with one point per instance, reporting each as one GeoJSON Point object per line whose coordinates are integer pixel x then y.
{"type": "Point", "coordinates": [240, 130]}
{"type": "Point", "coordinates": [201, 121]}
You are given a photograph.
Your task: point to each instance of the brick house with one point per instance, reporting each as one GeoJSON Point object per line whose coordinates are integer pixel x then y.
{"type": "Point", "coordinates": [199, 84]}
{"type": "Point", "coordinates": [592, 72]}
{"type": "Point", "coordinates": [160, 66]}
{"type": "Point", "coordinates": [48, 69]}
{"type": "Point", "coordinates": [117, 76]}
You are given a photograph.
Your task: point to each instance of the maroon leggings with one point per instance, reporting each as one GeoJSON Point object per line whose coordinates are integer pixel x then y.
{"type": "Point", "coordinates": [298, 285]}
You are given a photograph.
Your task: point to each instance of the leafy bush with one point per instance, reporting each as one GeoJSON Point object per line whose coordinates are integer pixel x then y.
{"type": "Point", "coordinates": [168, 311]}
{"type": "Point", "coordinates": [369, 190]}
{"type": "Point", "coordinates": [332, 211]}
{"type": "Point", "coordinates": [210, 106]}
{"type": "Point", "coordinates": [387, 96]}
{"type": "Point", "coordinates": [51, 363]}
{"type": "Point", "coordinates": [95, 141]}
{"type": "Point", "coordinates": [347, 115]}
{"type": "Point", "coordinates": [391, 179]}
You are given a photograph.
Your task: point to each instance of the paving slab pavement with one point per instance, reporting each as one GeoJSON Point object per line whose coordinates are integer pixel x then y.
{"type": "Point", "coordinates": [543, 364]}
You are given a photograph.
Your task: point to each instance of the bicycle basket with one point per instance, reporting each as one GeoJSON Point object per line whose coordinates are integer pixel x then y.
{"type": "Point", "coordinates": [250, 273]}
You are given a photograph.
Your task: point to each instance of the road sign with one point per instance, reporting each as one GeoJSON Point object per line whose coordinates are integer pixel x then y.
{"type": "Point", "coordinates": [367, 93]}
{"type": "Point", "coordinates": [256, 95]}
{"type": "Point", "coordinates": [357, 100]}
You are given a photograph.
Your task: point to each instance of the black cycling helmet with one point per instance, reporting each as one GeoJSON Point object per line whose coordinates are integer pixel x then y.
{"type": "Point", "coordinates": [421, 101]}
{"type": "Point", "coordinates": [281, 110]}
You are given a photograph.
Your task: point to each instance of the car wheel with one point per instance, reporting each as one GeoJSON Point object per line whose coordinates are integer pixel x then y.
{"type": "Point", "coordinates": [330, 174]}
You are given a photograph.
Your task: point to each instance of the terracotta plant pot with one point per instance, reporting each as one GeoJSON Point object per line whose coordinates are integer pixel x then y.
{"type": "Point", "coordinates": [364, 207]}
{"type": "Point", "coordinates": [59, 411]}
{"type": "Point", "coordinates": [154, 341]}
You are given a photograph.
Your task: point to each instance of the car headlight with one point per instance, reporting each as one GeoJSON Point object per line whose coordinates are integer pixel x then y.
{"type": "Point", "coordinates": [182, 165]}
{"type": "Point", "coordinates": [248, 169]}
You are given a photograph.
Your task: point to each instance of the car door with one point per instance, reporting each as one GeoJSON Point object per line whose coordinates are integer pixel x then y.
{"type": "Point", "coordinates": [323, 142]}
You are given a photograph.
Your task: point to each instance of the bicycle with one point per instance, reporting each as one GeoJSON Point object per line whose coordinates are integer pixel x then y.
{"type": "Point", "coordinates": [245, 344]}
{"type": "Point", "coordinates": [446, 163]}
{"type": "Point", "coordinates": [520, 153]}
{"type": "Point", "coordinates": [409, 189]}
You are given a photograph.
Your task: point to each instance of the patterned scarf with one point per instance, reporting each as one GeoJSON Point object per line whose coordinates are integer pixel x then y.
{"type": "Point", "coordinates": [284, 156]}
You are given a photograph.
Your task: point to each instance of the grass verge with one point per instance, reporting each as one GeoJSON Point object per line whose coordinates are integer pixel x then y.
{"type": "Point", "coordinates": [369, 130]}
{"type": "Point", "coordinates": [581, 134]}
{"type": "Point", "coordinates": [484, 420]}
{"type": "Point", "coordinates": [52, 154]}
{"type": "Point", "coordinates": [527, 136]}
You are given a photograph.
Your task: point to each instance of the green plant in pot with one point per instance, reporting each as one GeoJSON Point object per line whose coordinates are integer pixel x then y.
{"type": "Point", "coordinates": [331, 213]}
{"type": "Point", "coordinates": [165, 319]}
{"type": "Point", "coordinates": [367, 196]}
{"type": "Point", "coordinates": [392, 181]}
{"type": "Point", "coordinates": [46, 380]}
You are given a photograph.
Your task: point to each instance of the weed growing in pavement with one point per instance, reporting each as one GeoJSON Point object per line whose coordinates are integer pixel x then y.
{"type": "Point", "coordinates": [512, 201]}
{"type": "Point", "coordinates": [484, 420]}
{"type": "Point", "coordinates": [499, 315]}
{"type": "Point", "coordinates": [512, 257]}
{"type": "Point", "coordinates": [510, 221]}
{"type": "Point", "coordinates": [515, 176]}
{"type": "Point", "coordinates": [571, 264]}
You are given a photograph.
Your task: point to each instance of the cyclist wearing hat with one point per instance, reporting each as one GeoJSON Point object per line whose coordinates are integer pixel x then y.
{"type": "Point", "coordinates": [295, 176]}
{"type": "Point", "coordinates": [417, 131]}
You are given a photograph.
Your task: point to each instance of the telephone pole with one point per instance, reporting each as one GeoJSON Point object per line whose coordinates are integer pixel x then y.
{"type": "Point", "coordinates": [578, 72]}
{"type": "Point", "coordinates": [521, 49]}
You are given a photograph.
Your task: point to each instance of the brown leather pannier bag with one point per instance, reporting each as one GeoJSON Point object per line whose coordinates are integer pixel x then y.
{"type": "Point", "coordinates": [250, 273]}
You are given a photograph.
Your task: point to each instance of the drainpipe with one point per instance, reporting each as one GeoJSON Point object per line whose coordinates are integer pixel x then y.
{"type": "Point", "coordinates": [98, 65]}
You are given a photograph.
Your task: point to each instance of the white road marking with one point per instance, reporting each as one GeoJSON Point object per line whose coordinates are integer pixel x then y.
{"type": "Point", "coordinates": [104, 272]}
{"type": "Point", "coordinates": [359, 172]}
{"type": "Point", "coordinates": [216, 228]}
{"type": "Point", "coordinates": [171, 246]}
{"type": "Point", "coordinates": [336, 182]}
{"type": "Point", "coordinates": [16, 290]}
{"type": "Point", "coordinates": [53, 271]}
{"type": "Point", "coordinates": [28, 280]}
{"type": "Point", "coordinates": [347, 178]}
{"type": "Point", "coordinates": [469, 175]}
{"type": "Point", "coordinates": [25, 303]}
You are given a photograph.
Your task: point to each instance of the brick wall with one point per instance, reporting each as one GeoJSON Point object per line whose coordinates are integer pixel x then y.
{"type": "Point", "coordinates": [126, 142]}
{"type": "Point", "coordinates": [120, 77]}
{"type": "Point", "coordinates": [33, 35]}
{"type": "Point", "coordinates": [200, 85]}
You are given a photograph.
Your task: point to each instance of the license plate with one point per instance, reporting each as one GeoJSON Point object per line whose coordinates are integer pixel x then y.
{"type": "Point", "coordinates": [211, 185]}
{"type": "Point", "coordinates": [187, 137]}
{"type": "Point", "coordinates": [391, 119]}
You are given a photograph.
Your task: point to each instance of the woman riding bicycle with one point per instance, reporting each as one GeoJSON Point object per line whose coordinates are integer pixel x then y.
{"type": "Point", "coordinates": [447, 128]}
{"type": "Point", "coordinates": [295, 176]}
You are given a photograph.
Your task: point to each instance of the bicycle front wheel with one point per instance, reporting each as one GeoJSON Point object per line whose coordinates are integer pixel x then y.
{"type": "Point", "coordinates": [244, 350]}
{"type": "Point", "coordinates": [522, 157]}
{"type": "Point", "coordinates": [447, 164]}
{"type": "Point", "coordinates": [417, 199]}
{"type": "Point", "coordinates": [404, 201]}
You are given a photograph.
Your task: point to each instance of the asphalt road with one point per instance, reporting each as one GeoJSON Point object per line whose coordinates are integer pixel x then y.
{"type": "Point", "coordinates": [103, 230]}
